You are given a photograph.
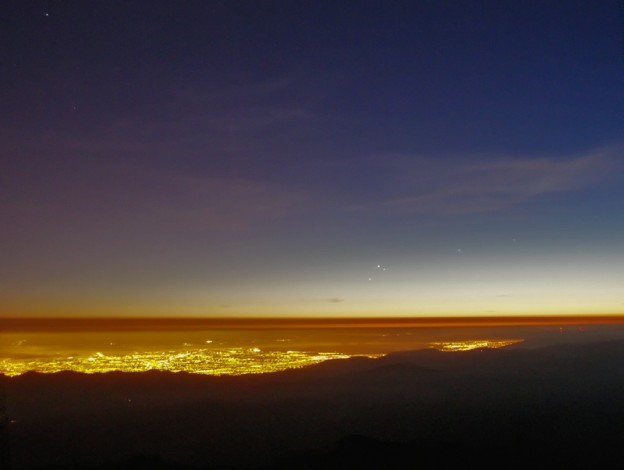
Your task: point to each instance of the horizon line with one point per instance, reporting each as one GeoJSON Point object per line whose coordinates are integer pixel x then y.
{"type": "Point", "coordinates": [60, 324]}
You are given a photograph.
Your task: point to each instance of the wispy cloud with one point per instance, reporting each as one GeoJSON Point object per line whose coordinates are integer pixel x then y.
{"type": "Point", "coordinates": [106, 196]}
{"type": "Point", "coordinates": [487, 184]}
{"type": "Point", "coordinates": [221, 204]}
{"type": "Point", "coordinates": [250, 106]}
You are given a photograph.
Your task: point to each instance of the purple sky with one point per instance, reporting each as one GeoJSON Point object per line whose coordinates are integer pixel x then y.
{"type": "Point", "coordinates": [311, 158]}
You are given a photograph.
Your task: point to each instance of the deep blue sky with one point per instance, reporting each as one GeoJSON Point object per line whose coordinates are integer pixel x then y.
{"type": "Point", "coordinates": [264, 158]}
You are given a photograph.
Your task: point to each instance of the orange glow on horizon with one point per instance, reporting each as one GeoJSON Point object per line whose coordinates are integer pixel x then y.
{"type": "Point", "coordinates": [198, 323]}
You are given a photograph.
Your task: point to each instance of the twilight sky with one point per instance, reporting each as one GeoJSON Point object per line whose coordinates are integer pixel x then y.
{"type": "Point", "coordinates": [311, 158]}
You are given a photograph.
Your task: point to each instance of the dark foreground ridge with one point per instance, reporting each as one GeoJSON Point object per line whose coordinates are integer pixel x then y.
{"type": "Point", "coordinates": [557, 405]}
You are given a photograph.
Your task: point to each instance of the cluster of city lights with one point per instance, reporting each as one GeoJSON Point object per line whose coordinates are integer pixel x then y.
{"type": "Point", "coordinates": [456, 346]}
{"type": "Point", "coordinates": [233, 361]}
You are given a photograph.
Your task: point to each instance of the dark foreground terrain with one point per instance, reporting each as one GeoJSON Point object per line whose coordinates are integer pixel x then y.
{"type": "Point", "coordinates": [561, 405]}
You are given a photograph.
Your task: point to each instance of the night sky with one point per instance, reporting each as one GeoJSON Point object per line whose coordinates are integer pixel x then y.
{"type": "Point", "coordinates": [297, 158]}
